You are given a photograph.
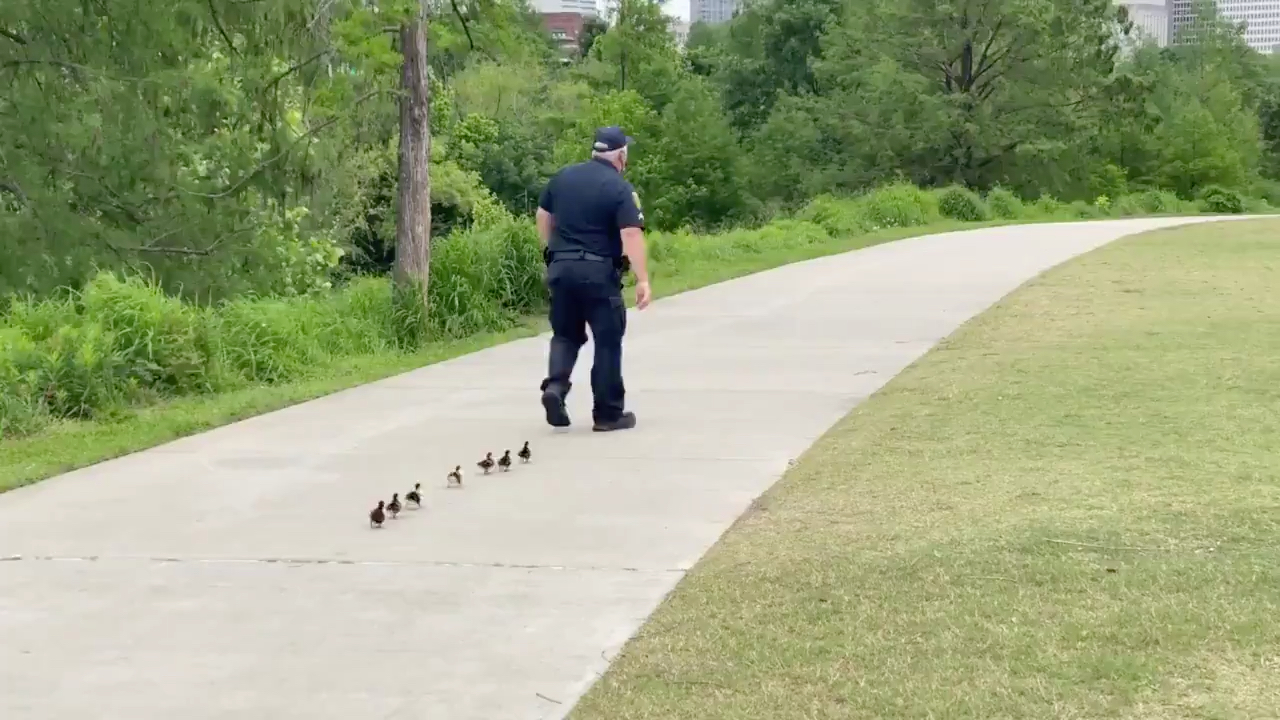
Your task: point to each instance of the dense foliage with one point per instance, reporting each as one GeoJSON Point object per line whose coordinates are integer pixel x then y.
{"type": "Point", "coordinates": [242, 156]}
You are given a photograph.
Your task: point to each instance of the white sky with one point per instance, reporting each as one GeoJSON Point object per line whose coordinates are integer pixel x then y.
{"type": "Point", "coordinates": [679, 8]}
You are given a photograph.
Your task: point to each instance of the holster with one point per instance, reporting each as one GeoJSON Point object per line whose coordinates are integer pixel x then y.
{"type": "Point", "coordinates": [623, 264]}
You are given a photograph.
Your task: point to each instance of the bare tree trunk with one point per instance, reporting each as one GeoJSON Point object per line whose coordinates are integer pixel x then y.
{"type": "Point", "coordinates": [413, 201]}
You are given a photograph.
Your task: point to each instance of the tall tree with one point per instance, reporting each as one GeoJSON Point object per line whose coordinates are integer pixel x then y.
{"type": "Point", "coordinates": [1003, 81]}
{"type": "Point", "coordinates": [413, 199]}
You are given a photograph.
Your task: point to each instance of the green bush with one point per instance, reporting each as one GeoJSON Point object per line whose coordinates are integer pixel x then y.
{"type": "Point", "coordinates": [1220, 201]}
{"type": "Point", "coordinates": [160, 342]}
{"type": "Point", "coordinates": [1004, 204]}
{"type": "Point", "coordinates": [961, 203]}
{"type": "Point", "coordinates": [1085, 211]}
{"type": "Point", "coordinates": [1049, 206]}
{"type": "Point", "coordinates": [1149, 202]}
{"type": "Point", "coordinates": [839, 217]}
{"type": "Point", "coordinates": [1258, 206]}
{"type": "Point", "coordinates": [898, 205]}
{"type": "Point", "coordinates": [1266, 191]}
{"type": "Point", "coordinates": [21, 408]}
{"type": "Point", "coordinates": [483, 280]}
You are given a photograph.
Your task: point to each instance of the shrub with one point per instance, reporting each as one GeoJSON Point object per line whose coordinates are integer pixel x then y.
{"type": "Point", "coordinates": [961, 203]}
{"type": "Point", "coordinates": [1150, 202]}
{"type": "Point", "coordinates": [1258, 206]}
{"type": "Point", "coordinates": [160, 342]}
{"type": "Point", "coordinates": [484, 280]}
{"type": "Point", "coordinates": [1004, 204]}
{"type": "Point", "coordinates": [898, 205]}
{"type": "Point", "coordinates": [1084, 211]}
{"type": "Point", "coordinates": [1268, 191]}
{"type": "Point", "coordinates": [267, 340]}
{"type": "Point", "coordinates": [1049, 206]}
{"type": "Point", "coordinates": [1219, 200]}
{"type": "Point", "coordinates": [839, 217]}
{"type": "Point", "coordinates": [21, 411]}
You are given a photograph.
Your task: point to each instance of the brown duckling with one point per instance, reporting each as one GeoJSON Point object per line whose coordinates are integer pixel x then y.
{"type": "Point", "coordinates": [377, 515]}
{"type": "Point", "coordinates": [504, 462]}
{"type": "Point", "coordinates": [487, 463]}
{"type": "Point", "coordinates": [525, 453]}
{"type": "Point", "coordinates": [394, 506]}
{"type": "Point", "coordinates": [414, 496]}
{"type": "Point", "coordinates": [455, 477]}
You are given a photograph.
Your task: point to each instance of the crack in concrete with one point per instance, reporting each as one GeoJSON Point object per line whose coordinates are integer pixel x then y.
{"type": "Point", "coordinates": [300, 561]}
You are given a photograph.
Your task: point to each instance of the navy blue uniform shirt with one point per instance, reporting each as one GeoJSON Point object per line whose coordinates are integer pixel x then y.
{"type": "Point", "coordinates": [591, 203]}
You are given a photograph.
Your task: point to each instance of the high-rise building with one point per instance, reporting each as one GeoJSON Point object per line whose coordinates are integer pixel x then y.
{"type": "Point", "coordinates": [1261, 19]}
{"type": "Point", "coordinates": [1150, 19]}
{"type": "Point", "coordinates": [712, 11]}
{"type": "Point", "coordinates": [583, 7]}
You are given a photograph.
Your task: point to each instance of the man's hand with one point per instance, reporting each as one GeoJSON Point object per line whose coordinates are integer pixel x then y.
{"type": "Point", "coordinates": [643, 295]}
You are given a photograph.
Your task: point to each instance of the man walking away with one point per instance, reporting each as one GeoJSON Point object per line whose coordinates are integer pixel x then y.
{"type": "Point", "coordinates": [592, 229]}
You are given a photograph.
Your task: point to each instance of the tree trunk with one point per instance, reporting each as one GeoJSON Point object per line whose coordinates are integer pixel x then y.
{"type": "Point", "coordinates": [413, 201]}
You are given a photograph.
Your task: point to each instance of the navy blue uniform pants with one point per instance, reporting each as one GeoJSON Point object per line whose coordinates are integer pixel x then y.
{"type": "Point", "coordinates": [587, 293]}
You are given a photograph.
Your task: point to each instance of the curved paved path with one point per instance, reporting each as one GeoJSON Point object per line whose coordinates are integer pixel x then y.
{"type": "Point", "coordinates": [232, 574]}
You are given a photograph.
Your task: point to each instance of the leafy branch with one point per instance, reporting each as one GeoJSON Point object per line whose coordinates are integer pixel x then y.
{"type": "Point", "coordinates": [262, 166]}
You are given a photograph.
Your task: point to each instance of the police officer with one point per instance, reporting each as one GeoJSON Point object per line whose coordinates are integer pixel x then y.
{"type": "Point", "coordinates": [592, 230]}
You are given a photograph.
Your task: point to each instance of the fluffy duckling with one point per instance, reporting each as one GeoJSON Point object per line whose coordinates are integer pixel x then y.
{"type": "Point", "coordinates": [504, 462]}
{"type": "Point", "coordinates": [414, 496]}
{"type": "Point", "coordinates": [487, 463]}
{"type": "Point", "coordinates": [394, 506]}
{"type": "Point", "coordinates": [455, 477]}
{"type": "Point", "coordinates": [377, 515]}
{"type": "Point", "coordinates": [525, 453]}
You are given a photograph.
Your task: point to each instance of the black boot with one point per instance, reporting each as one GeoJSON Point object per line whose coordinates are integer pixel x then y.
{"type": "Point", "coordinates": [553, 403]}
{"type": "Point", "coordinates": [625, 421]}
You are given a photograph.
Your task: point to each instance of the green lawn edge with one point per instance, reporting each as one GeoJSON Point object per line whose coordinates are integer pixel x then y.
{"type": "Point", "coordinates": [67, 446]}
{"type": "Point", "coordinates": [1083, 573]}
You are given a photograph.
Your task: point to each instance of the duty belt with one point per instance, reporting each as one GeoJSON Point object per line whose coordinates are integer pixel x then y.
{"type": "Point", "coordinates": [579, 255]}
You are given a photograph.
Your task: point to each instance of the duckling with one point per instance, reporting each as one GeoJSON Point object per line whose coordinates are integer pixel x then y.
{"type": "Point", "coordinates": [487, 463]}
{"type": "Point", "coordinates": [455, 477]}
{"type": "Point", "coordinates": [414, 496]}
{"type": "Point", "coordinates": [504, 462]}
{"type": "Point", "coordinates": [377, 516]}
{"type": "Point", "coordinates": [394, 506]}
{"type": "Point", "coordinates": [525, 453]}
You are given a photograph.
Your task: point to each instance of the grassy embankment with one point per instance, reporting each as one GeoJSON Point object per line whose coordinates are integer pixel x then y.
{"type": "Point", "coordinates": [1069, 509]}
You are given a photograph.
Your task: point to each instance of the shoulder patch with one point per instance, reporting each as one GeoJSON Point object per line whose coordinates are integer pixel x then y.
{"type": "Point", "coordinates": [636, 197]}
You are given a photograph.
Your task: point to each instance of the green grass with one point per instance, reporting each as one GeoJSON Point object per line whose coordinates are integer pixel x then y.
{"type": "Point", "coordinates": [69, 444]}
{"type": "Point", "coordinates": [1070, 509]}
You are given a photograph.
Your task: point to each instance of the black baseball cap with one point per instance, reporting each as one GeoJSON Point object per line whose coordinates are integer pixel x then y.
{"type": "Point", "coordinates": [610, 138]}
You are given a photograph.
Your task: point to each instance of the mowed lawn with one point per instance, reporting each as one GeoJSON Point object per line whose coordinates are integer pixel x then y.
{"type": "Point", "coordinates": [1070, 509]}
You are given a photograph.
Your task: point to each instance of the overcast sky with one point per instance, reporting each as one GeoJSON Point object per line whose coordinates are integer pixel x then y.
{"type": "Point", "coordinates": [678, 7]}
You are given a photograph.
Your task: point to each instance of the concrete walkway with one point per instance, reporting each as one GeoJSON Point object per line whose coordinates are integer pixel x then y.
{"type": "Point", "coordinates": [233, 574]}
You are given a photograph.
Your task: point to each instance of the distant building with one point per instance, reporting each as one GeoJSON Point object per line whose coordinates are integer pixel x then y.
{"type": "Point", "coordinates": [680, 32]}
{"type": "Point", "coordinates": [713, 11]}
{"type": "Point", "coordinates": [554, 7]}
{"type": "Point", "coordinates": [1261, 19]}
{"type": "Point", "coordinates": [565, 29]}
{"type": "Point", "coordinates": [1150, 19]}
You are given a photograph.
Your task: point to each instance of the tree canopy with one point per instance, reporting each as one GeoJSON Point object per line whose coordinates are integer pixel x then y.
{"type": "Point", "coordinates": [229, 147]}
